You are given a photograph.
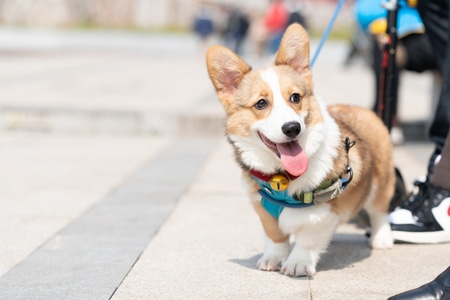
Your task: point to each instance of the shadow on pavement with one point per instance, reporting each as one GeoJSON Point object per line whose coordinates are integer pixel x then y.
{"type": "Point", "coordinates": [344, 251]}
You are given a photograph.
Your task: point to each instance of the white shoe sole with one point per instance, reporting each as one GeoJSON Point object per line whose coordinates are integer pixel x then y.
{"type": "Point", "coordinates": [434, 237]}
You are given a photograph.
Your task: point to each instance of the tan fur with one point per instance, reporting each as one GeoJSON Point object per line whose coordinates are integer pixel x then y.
{"type": "Point", "coordinates": [239, 89]}
{"type": "Point", "coordinates": [270, 224]}
{"type": "Point", "coordinates": [364, 127]}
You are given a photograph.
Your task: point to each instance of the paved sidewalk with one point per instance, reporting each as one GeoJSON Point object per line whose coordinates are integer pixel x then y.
{"type": "Point", "coordinates": [118, 183]}
{"type": "Point", "coordinates": [47, 182]}
{"type": "Point", "coordinates": [209, 246]}
{"type": "Point", "coordinates": [94, 82]}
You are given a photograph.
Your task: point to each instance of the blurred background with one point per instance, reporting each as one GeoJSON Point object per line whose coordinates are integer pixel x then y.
{"type": "Point", "coordinates": [147, 14]}
{"type": "Point", "coordinates": [49, 34]}
{"type": "Point", "coordinates": [79, 66]}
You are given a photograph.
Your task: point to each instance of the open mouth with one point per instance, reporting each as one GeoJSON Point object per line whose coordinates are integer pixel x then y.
{"type": "Point", "coordinates": [292, 156]}
{"type": "Point", "coordinates": [271, 145]}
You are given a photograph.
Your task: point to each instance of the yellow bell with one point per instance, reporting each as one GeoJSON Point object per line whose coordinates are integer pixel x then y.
{"type": "Point", "coordinates": [279, 182]}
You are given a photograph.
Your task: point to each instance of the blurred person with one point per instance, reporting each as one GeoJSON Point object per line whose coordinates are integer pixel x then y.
{"type": "Point", "coordinates": [414, 52]}
{"type": "Point", "coordinates": [258, 33]}
{"type": "Point", "coordinates": [425, 216]}
{"type": "Point", "coordinates": [296, 14]}
{"type": "Point", "coordinates": [236, 30]}
{"type": "Point", "coordinates": [203, 26]}
{"type": "Point", "coordinates": [275, 21]}
{"type": "Point", "coordinates": [360, 45]}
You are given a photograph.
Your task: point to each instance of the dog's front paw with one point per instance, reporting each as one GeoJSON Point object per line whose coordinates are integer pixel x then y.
{"type": "Point", "coordinates": [274, 255]}
{"type": "Point", "coordinates": [298, 268]}
{"type": "Point", "coordinates": [270, 262]}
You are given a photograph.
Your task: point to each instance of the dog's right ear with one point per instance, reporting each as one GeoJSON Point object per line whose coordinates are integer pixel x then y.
{"type": "Point", "coordinates": [226, 71]}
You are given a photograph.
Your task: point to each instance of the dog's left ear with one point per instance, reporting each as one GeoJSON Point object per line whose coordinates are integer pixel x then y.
{"type": "Point", "coordinates": [294, 49]}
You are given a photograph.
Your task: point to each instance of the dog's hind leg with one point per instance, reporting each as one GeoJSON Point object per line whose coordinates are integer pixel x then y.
{"type": "Point", "coordinates": [381, 236]}
{"type": "Point", "coordinates": [377, 209]}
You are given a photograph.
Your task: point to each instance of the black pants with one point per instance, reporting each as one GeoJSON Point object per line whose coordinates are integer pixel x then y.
{"type": "Point", "coordinates": [435, 15]}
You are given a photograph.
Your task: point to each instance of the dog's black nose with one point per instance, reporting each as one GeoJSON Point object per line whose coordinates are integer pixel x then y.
{"type": "Point", "coordinates": [291, 129]}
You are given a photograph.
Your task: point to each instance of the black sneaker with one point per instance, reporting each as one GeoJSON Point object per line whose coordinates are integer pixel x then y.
{"type": "Point", "coordinates": [424, 217]}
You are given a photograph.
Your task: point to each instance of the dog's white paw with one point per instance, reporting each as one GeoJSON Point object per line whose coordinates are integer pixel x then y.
{"type": "Point", "coordinates": [298, 268]}
{"type": "Point", "coordinates": [301, 262]}
{"type": "Point", "coordinates": [270, 262]}
{"type": "Point", "coordinates": [274, 255]}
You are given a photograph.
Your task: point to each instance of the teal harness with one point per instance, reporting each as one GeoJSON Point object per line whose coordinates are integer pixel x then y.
{"type": "Point", "coordinates": [274, 201]}
{"type": "Point", "coordinates": [275, 196]}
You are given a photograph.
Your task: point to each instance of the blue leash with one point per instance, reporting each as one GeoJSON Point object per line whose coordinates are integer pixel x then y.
{"type": "Point", "coordinates": [327, 31]}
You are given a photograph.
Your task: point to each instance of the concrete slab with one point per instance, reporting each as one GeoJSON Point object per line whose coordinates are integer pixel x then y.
{"type": "Point", "coordinates": [48, 181]}
{"type": "Point", "coordinates": [351, 270]}
{"type": "Point", "coordinates": [89, 258]}
{"type": "Point", "coordinates": [209, 246]}
{"type": "Point", "coordinates": [121, 93]}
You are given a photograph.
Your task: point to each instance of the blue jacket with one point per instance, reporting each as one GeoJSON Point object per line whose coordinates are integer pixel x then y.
{"type": "Point", "coordinates": [408, 21]}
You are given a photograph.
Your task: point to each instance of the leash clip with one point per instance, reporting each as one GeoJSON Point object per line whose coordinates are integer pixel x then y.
{"type": "Point", "coordinates": [346, 181]}
{"type": "Point", "coordinates": [348, 145]}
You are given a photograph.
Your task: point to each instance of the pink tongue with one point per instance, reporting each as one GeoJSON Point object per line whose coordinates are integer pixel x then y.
{"type": "Point", "coordinates": [293, 158]}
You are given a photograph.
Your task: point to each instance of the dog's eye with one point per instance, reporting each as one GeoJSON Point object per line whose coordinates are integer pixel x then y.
{"type": "Point", "coordinates": [261, 104]}
{"type": "Point", "coordinates": [295, 98]}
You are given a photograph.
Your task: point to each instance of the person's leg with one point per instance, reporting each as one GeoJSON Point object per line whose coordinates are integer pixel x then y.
{"type": "Point", "coordinates": [435, 15]}
{"type": "Point", "coordinates": [441, 174]}
{"type": "Point", "coordinates": [425, 216]}
{"type": "Point", "coordinates": [419, 55]}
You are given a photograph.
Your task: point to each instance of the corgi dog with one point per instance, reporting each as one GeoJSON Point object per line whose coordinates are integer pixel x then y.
{"type": "Point", "coordinates": [308, 167]}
